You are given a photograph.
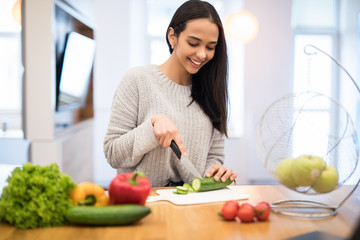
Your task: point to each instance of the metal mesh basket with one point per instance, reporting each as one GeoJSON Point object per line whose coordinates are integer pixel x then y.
{"type": "Point", "coordinates": [309, 123]}
{"type": "Point", "coordinates": [289, 128]}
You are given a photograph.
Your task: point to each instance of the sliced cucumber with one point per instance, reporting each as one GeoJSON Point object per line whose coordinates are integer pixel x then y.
{"type": "Point", "coordinates": [182, 190]}
{"type": "Point", "coordinates": [208, 184]}
{"type": "Point", "coordinates": [189, 187]}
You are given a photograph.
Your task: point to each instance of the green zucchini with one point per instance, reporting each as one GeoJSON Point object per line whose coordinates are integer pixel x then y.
{"type": "Point", "coordinates": [209, 183]}
{"type": "Point", "coordinates": [123, 214]}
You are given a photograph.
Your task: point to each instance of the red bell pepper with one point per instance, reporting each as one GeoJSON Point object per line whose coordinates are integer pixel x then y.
{"type": "Point", "coordinates": [129, 188]}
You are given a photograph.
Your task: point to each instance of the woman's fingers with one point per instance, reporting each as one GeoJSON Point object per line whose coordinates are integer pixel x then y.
{"type": "Point", "coordinates": [167, 142]}
{"type": "Point", "coordinates": [166, 131]}
{"type": "Point", "coordinates": [181, 146]}
{"type": "Point", "coordinates": [233, 176]}
{"type": "Point", "coordinates": [220, 172]}
{"type": "Point", "coordinates": [228, 174]}
{"type": "Point", "coordinates": [213, 170]}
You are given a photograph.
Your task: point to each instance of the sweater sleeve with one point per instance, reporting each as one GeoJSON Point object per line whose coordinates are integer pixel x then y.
{"type": "Point", "coordinates": [126, 141]}
{"type": "Point", "coordinates": [216, 153]}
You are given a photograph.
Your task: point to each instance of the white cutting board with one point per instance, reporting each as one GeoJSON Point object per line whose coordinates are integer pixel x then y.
{"type": "Point", "coordinates": [225, 194]}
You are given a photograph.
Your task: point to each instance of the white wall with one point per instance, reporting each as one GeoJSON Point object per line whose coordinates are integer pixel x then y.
{"type": "Point", "coordinates": [350, 59]}
{"type": "Point", "coordinates": [112, 61]}
{"type": "Point", "coordinates": [268, 76]}
{"type": "Point", "coordinates": [46, 144]}
{"type": "Point", "coordinates": [350, 53]}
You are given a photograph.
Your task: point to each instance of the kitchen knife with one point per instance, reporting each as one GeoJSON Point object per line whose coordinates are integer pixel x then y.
{"type": "Point", "coordinates": [184, 160]}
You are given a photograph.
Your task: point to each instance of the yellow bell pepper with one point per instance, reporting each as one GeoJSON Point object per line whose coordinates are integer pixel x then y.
{"type": "Point", "coordinates": [89, 194]}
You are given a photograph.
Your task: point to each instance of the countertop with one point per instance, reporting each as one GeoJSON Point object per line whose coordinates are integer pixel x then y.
{"type": "Point", "coordinates": [201, 221]}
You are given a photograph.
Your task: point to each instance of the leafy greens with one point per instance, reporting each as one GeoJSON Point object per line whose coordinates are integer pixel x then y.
{"type": "Point", "coordinates": [36, 196]}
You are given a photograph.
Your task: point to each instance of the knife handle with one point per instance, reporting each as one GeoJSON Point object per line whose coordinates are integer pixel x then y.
{"type": "Point", "coordinates": [175, 148]}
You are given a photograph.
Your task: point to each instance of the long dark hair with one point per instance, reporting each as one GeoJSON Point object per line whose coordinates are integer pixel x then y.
{"type": "Point", "coordinates": [209, 84]}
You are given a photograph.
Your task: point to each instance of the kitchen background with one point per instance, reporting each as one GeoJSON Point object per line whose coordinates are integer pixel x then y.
{"type": "Point", "coordinates": [265, 64]}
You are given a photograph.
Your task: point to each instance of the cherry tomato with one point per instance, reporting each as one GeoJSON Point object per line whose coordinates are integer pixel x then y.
{"type": "Point", "coordinates": [247, 205]}
{"type": "Point", "coordinates": [232, 203]}
{"type": "Point", "coordinates": [262, 211]}
{"type": "Point", "coordinates": [246, 213]}
{"type": "Point", "coordinates": [266, 203]}
{"type": "Point", "coordinates": [229, 210]}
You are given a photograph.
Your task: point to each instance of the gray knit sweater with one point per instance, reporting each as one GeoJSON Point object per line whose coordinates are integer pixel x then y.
{"type": "Point", "coordinates": [130, 143]}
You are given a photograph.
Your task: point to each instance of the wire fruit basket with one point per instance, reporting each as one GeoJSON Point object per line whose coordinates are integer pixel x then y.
{"type": "Point", "coordinates": [308, 142]}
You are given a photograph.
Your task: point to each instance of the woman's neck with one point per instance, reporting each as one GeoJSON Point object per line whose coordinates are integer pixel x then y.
{"type": "Point", "coordinates": [176, 72]}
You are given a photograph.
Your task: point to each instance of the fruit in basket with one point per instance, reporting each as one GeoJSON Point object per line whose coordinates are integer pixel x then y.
{"type": "Point", "coordinates": [288, 127]}
{"type": "Point", "coordinates": [327, 181]}
{"type": "Point", "coordinates": [283, 173]}
{"type": "Point", "coordinates": [306, 169]}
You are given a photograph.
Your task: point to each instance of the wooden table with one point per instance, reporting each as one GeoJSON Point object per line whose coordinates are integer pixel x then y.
{"type": "Point", "coordinates": [169, 221]}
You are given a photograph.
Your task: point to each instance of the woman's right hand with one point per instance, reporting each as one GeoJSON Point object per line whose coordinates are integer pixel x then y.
{"type": "Point", "coordinates": [165, 131]}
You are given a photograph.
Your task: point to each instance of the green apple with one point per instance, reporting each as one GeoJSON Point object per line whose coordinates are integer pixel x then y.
{"type": "Point", "coordinates": [306, 169]}
{"type": "Point", "coordinates": [328, 180]}
{"type": "Point", "coordinates": [283, 173]}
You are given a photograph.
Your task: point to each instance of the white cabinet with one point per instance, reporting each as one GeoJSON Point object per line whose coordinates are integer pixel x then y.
{"type": "Point", "coordinates": [70, 147]}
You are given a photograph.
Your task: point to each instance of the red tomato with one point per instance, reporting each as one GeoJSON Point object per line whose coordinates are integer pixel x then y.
{"type": "Point", "coordinates": [262, 211]}
{"type": "Point", "coordinates": [229, 210]}
{"type": "Point", "coordinates": [246, 213]}
{"type": "Point", "coordinates": [232, 203]}
{"type": "Point", "coordinates": [266, 203]}
{"type": "Point", "coordinates": [247, 205]}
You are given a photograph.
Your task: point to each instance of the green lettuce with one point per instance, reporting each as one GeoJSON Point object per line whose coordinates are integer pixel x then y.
{"type": "Point", "coordinates": [36, 196]}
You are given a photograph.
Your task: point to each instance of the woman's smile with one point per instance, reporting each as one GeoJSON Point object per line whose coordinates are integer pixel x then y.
{"type": "Point", "coordinates": [195, 64]}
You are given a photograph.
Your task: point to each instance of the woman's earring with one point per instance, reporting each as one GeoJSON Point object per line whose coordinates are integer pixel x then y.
{"type": "Point", "coordinates": [172, 47]}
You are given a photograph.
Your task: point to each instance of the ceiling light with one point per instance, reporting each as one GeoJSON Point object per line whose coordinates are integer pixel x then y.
{"type": "Point", "coordinates": [241, 26]}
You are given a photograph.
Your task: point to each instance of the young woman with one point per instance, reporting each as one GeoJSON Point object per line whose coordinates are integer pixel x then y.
{"type": "Point", "coordinates": [184, 99]}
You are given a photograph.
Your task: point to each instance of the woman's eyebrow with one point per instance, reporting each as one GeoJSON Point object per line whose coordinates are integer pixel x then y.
{"type": "Point", "coordinates": [198, 39]}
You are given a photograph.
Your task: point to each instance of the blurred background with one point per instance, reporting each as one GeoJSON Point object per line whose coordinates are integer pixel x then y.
{"type": "Point", "coordinates": [265, 40]}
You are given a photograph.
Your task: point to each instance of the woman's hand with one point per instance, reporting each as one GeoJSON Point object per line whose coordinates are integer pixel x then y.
{"type": "Point", "coordinates": [165, 131]}
{"type": "Point", "coordinates": [219, 170]}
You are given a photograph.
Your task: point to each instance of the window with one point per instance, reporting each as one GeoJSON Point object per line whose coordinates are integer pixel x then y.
{"type": "Point", "coordinates": [314, 73]}
{"type": "Point", "coordinates": [10, 69]}
{"type": "Point", "coordinates": [159, 16]}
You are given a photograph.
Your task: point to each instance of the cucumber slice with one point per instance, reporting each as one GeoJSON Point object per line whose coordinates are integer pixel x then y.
{"type": "Point", "coordinates": [196, 184]}
{"type": "Point", "coordinates": [189, 187]}
{"type": "Point", "coordinates": [182, 190]}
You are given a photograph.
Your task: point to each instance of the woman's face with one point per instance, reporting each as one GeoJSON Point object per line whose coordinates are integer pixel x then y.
{"type": "Point", "coordinates": [195, 46]}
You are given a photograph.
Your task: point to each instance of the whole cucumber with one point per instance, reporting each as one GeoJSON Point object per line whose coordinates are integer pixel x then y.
{"type": "Point", "coordinates": [109, 215]}
{"type": "Point", "coordinates": [208, 184]}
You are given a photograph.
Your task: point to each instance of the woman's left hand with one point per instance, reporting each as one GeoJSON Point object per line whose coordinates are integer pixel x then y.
{"type": "Point", "coordinates": [219, 170]}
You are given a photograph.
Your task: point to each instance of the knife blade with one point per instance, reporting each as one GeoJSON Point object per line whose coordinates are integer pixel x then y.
{"type": "Point", "coordinates": [184, 160]}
